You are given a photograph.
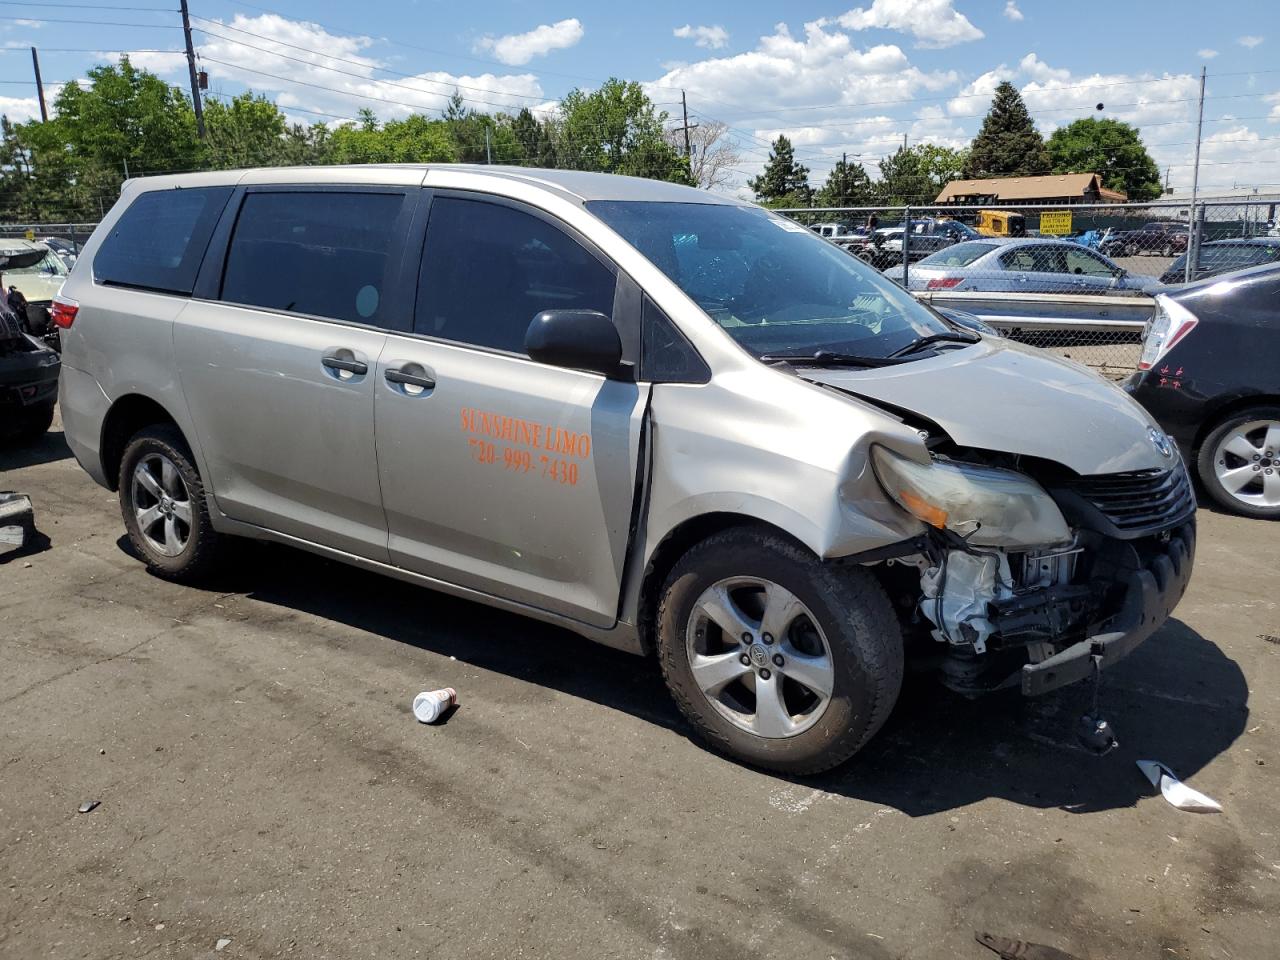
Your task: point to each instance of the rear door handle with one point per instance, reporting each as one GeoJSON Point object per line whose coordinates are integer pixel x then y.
{"type": "Point", "coordinates": [358, 367]}
{"type": "Point", "coordinates": [399, 375]}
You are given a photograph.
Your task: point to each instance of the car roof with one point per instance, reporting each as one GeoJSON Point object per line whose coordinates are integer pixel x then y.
{"type": "Point", "coordinates": [1261, 272]}
{"type": "Point", "coordinates": [582, 185]}
{"type": "Point", "coordinates": [1243, 242]}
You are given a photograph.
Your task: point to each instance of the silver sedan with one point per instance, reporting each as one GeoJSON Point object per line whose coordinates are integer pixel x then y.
{"type": "Point", "coordinates": [992, 265]}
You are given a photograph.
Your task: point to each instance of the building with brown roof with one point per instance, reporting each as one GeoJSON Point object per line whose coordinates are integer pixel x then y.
{"type": "Point", "coordinates": [1056, 188]}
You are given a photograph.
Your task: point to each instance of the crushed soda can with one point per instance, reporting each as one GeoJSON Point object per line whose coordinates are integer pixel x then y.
{"type": "Point", "coordinates": [17, 521]}
{"type": "Point", "coordinates": [430, 705]}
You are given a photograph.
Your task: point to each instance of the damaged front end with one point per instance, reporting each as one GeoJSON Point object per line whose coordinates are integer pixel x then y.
{"type": "Point", "coordinates": [1029, 575]}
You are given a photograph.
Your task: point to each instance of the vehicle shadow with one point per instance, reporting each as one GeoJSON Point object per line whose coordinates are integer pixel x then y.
{"type": "Point", "coordinates": [48, 449]}
{"type": "Point", "coordinates": [1178, 698]}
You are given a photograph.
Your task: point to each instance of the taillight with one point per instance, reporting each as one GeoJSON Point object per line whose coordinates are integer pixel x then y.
{"type": "Point", "coordinates": [63, 312]}
{"type": "Point", "coordinates": [943, 283]}
{"type": "Point", "coordinates": [1168, 328]}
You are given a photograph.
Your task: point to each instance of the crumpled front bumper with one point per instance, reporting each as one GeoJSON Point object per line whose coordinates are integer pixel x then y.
{"type": "Point", "coordinates": [1151, 594]}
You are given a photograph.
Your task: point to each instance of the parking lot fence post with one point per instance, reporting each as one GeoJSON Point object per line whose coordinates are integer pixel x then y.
{"type": "Point", "coordinates": [906, 246]}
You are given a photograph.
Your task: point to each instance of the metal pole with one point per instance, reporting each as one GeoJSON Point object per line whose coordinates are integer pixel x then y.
{"type": "Point", "coordinates": [488, 154]}
{"type": "Point", "coordinates": [1193, 252]}
{"type": "Point", "coordinates": [191, 69]}
{"type": "Point", "coordinates": [35, 62]}
{"type": "Point", "coordinates": [906, 244]}
{"type": "Point", "coordinates": [684, 109]}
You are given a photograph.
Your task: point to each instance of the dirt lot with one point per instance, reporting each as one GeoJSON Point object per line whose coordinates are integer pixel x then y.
{"type": "Point", "coordinates": [262, 780]}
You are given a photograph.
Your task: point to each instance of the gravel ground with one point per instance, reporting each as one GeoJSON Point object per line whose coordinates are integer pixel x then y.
{"type": "Point", "coordinates": [262, 781]}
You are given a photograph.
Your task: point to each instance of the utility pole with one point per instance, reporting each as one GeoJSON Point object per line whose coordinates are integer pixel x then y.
{"type": "Point", "coordinates": [904, 143]}
{"type": "Point", "coordinates": [35, 62]}
{"type": "Point", "coordinates": [488, 154]}
{"type": "Point", "coordinates": [191, 69]}
{"type": "Point", "coordinates": [1193, 232]}
{"type": "Point", "coordinates": [684, 108]}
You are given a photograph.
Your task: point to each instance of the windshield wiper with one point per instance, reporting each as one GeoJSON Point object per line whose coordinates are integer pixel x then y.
{"type": "Point", "coordinates": [948, 337]}
{"type": "Point", "coordinates": [826, 358]}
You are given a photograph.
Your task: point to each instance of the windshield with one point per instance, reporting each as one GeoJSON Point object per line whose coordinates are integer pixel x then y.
{"type": "Point", "coordinates": [770, 283]}
{"type": "Point", "coordinates": [50, 266]}
{"type": "Point", "coordinates": [957, 255]}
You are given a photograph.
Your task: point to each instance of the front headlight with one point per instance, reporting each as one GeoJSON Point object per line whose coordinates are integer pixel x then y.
{"type": "Point", "coordinates": [987, 506]}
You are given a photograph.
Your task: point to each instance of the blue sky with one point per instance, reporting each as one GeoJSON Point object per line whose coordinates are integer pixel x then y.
{"type": "Point", "coordinates": [852, 76]}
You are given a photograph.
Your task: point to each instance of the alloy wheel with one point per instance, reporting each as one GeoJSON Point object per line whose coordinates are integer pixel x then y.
{"type": "Point", "coordinates": [1247, 463]}
{"type": "Point", "coordinates": [759, 657]}
{"type": "Point", "coordinates": [161, 505]}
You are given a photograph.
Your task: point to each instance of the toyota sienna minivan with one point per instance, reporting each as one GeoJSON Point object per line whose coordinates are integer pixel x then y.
{"type": "Point", "coordinates": [662, 418]}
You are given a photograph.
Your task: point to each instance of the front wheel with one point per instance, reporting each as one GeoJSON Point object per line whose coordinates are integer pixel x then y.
{"type": "Point", "coordinates": [776, 658]}
{"type": "Point", "coordinates": [163, 504]}
{"type": "Point", "coordinates": [1239, 463]}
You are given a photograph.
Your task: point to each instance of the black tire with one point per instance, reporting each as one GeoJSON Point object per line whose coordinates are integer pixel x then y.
{"type": "Point", "coordinates": [1205, 462]}
{"type": "Point", "coordinates": [1166, 250]}
{"type": "Point", "coordinates": [199, 555]}
{"type": "Point", "coordinates": [29, 425]}
{"type": "Point", "coordinates": [847, 604]}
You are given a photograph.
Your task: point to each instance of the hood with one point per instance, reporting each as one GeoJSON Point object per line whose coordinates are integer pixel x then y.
{"type": "Point", "coordinates": [1005, 396]}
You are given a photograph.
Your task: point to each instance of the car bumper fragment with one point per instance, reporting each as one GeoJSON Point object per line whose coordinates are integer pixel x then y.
{"type": "Point", "coordinates": [1151, 595]}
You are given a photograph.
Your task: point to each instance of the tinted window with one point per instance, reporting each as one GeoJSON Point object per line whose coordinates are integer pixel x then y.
{"type": "Point", "coordinates": [489, 269]}
{"type": "Point", "coordinates": [324, 254]}
{"type": "Point", "coordinates": [158, 243]}
{"type": "Point", "coordinates": [1235, 255]}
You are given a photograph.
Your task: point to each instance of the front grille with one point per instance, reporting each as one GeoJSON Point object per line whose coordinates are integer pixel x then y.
{"type": "Point", "coordinates": [1141, 500]}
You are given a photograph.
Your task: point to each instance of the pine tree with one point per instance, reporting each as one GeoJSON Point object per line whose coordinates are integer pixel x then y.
{"type": "Point", "coordinates": [1008, 145]}
{"type": "Point", "coordinates": [847, 185]}
{"type": "Point", "coordinates": [783, 181]}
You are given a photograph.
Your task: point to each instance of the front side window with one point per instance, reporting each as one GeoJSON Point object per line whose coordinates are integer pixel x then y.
{"type": "Point", "coordinates": [322, 253]}
{"type": "Point", "coordinates": [489, 269]}
{"type": "Point", "coordinates": [770, 283]}
{"type": "Point", "coordinates": [1083, 262]}
{"type": "Point", "coordinates": [160, 240]}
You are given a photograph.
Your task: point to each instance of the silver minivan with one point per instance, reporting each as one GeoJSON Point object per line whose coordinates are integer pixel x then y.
{"type": "Point", "coordinates": [665, 419]}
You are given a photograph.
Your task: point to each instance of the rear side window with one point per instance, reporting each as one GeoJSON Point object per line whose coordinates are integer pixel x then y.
{"type": "Point", "coordinates": [488, 269]}
{"type": "Point", "coordinates": [325, 254]}
{"type": "Point", "coordinates": [158, 243]}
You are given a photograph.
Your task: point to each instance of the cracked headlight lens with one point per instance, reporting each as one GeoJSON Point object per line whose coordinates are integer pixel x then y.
{"type": "Point", "coordinates": [987, 506]}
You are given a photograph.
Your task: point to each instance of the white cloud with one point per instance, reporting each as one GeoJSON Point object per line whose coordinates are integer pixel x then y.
{"type": "Point", "coordinates": [1250, 41]}
{"type": "Point", "coordinates": [712, 38]}
{"type": "Point", "coordinates": [1206, 54]}
{"type": "Point", "coordinates": [22, 109]}
{"type": "Point", "coordinates": [33, 24]}
{"type": "Point", "coordinates": [358, 84]}
{"type": "Point", "coordinates": [520, 48]}
{"type": "Point", "coordinates": [1011, 11]}
{"type": "Point", "coordinates": [934, 23]}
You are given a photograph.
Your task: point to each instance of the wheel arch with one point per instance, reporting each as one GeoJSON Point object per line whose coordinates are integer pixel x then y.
{"type": "Point", "coordinates": [127, 415]}
{"type": "Point", "coordinates": [1230, 408]}
{"type": "Point", "coordinates": [675, 544]}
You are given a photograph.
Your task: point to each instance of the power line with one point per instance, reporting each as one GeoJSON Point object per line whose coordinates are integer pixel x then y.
{"type": "Point", "coordinates": [83, 6]}
{"type": "Point", "coordinates": [97, 23]}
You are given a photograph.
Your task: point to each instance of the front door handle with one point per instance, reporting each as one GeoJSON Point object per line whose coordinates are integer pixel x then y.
{"type": "Point", "coordinates": [358, 367]}
{"type": "Point", "coordinates": [424, 380]}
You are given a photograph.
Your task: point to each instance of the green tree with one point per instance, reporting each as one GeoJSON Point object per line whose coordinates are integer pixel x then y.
{"type": "Point", "coordinates": [1109, 148]}
{"type": "Point", "coordinates": [415, 139]}
{"type": "Point", "coordinates": [247, 132]}
{"type": "Point", "coordinates": [536, 139]}
{"type": "Point", "coordinates": [1008, 145]}
{"type": "Point", "coordinates": [847, 185]}
{"type": "Point", "coordinates": [918, 174]}
{"type": "Point", "coordinates": [784, 182]}
{"type": "Point", "coordinates": [617, 129]}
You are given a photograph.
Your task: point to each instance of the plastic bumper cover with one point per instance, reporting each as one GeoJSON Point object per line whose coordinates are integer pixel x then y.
{"type": "Point", "coordinates": [1151, 595]}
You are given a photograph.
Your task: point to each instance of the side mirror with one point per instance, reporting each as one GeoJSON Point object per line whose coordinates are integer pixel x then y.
{"type": "Point", "coordinates": [579, 339]}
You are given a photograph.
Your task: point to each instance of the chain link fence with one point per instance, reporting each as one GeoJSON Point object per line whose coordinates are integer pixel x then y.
{"type": "Point", "coordinates": [1077, 279]}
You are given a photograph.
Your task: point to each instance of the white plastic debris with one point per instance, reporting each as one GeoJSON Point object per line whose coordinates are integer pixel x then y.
{"type": "Point", "coordinates": [222, 944]}
{"type": "Point", "coordinates": [430, 705]}
{"type": "Point", "coordinates": [1175, 791]}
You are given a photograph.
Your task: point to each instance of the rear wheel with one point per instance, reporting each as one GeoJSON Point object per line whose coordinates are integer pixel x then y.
{"type": "Point", "coordinates": [163, 504]}
{"type": "Point", "coordinates": [1239, 463]}
{"type": "Point", "coordinates": [1166, 250]}
{"type": "Point", "coordinates": [775, 657]}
